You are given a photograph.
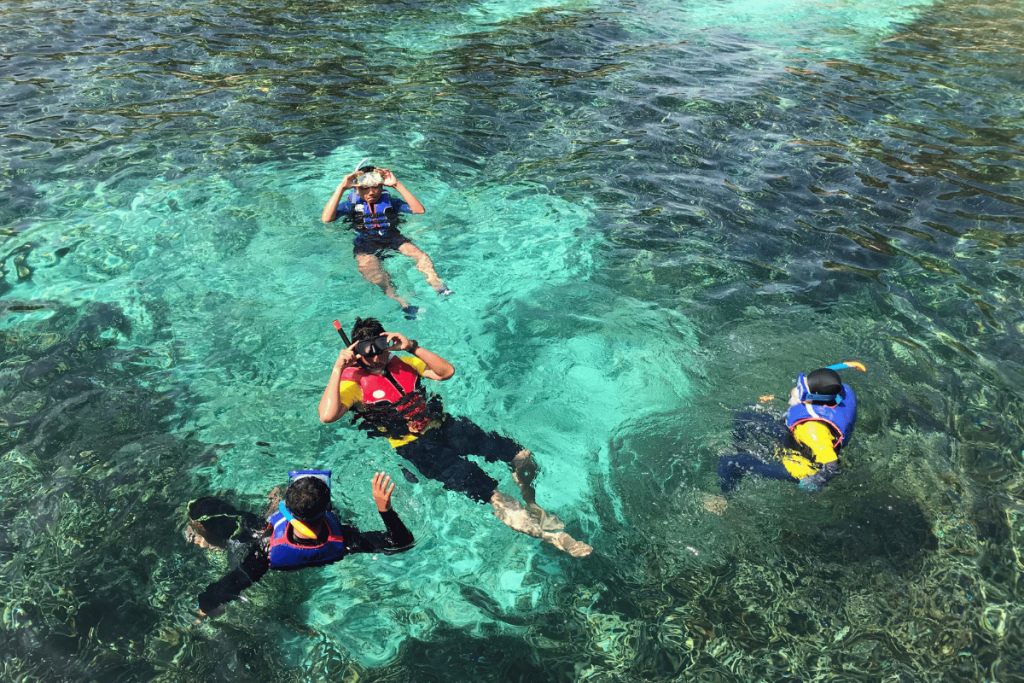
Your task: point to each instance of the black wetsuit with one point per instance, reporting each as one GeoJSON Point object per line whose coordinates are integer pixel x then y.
{"type": "Point", "coordinates": [396, 539]}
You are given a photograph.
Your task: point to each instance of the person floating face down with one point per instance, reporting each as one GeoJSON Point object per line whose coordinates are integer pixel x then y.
{"type": "Point", "coordinates": [386, 392]}
{"type": "Point", "coordinates": [820, 420]}
{"type": "Point", "coordinates": [301, 531]}
{"type": "Point", "coordinates": [373, 213]}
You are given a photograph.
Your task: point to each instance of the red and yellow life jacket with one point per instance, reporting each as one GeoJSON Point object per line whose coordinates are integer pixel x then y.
{"type": "Point", "coordinates": [393, 403]}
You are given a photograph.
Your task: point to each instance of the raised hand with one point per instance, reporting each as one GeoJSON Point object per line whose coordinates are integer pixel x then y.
{"type": "Point", "coordinates": [382, 488]}
{"type": "Point", "coordinates": [346, 357]}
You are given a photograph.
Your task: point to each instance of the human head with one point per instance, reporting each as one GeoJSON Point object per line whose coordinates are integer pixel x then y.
{"type": "Point", "coordinates": [308, 498]}
{"type": "Point", "coordinates": [823, 386]}
{"type": "Point", "coordinates": [370, 183]}
{"type": "Point", "coordinates": [366, 329]}
{"type": "Point", "coordinates": [212, 520]}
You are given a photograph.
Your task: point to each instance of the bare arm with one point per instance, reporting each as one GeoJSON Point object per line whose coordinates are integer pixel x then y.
{"type": "Point", "coordinates": [330, 212]}
{"type": "Point", "coordinates": [331, 407]}
{"type": "Point", "coordinates": [437, 368]}
{"type": "Point", "coordinates": [391, 181]}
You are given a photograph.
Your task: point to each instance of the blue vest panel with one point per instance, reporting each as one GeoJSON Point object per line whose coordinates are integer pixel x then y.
{"type": "Point", "coordinates": [840, 417]}
{"type": "Point", "coordinates": [286, 555]}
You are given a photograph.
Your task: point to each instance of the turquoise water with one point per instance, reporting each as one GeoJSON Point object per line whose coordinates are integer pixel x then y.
{"type": "Point", "coordinates": [651, 214]}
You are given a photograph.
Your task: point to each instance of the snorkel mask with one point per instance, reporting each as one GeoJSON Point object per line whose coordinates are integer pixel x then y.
{"type": "Point", "coordinates": [294, 476]}
{"type": "Point", "coordinates": [322, 475]}
{"type": "Point", "coordinates": [368, 348]}
{"type": "Point", "coordinates": [372, 347]}
{"type": "Point", "coordinates": [371, 179]}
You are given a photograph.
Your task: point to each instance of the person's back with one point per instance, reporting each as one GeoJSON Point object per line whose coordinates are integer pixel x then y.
{"type": "Point", "coordinates": [822, 413]}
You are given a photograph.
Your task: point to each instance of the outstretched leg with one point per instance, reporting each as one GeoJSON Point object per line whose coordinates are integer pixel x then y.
{"type": "Point", "coordinates": [440, 454]}
{"type": "Point", "coordinates": [424, 265]}
{"type": "Point", "coordinates": [373, 272]}
{"type": "Point", "coordinates": [515, 516]}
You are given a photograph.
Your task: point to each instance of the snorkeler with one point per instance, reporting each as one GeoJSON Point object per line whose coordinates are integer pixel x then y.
{"type": "Point", "coordinates": [386, 391]}
{"type": "Point", "coordinates": [302, 531]}
{"type": "Point", "coordinates": [374, 214]}
{"type": "Point", "coordinates": [822, 412]}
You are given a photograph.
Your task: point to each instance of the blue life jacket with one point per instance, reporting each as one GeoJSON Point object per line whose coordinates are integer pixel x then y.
{"type": "Point", "coordinates": [286, 555]}
{"type": "Point", "coordinates": [840, 417]}
{"type": "Point", "coordinates": [383, 216]}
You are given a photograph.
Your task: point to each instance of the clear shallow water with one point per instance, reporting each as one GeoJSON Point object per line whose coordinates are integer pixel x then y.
{"type": "Point", "coordinates": [650, 215]}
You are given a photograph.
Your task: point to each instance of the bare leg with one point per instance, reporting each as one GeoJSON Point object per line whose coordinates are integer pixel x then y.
{"type": "Point", "coordinates": [193, 534]}
{"type": "Point", "coordinates": [513, 515]}
{"type": "Point", "coordinates": [423, 264]}
{"type": "Point", "coordinates": [372, 271]}
{"type": "Point", "coordinates": [524, 472]}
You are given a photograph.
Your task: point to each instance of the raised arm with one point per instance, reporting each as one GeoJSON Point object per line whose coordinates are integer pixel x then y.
{"type": "Point", "coordinates": [330, 212]}
{"type": "Point", "coordinates": [396, 539]}
{"type": "Point", "coordinates": [331, 406]}
{"type": "Point", "coordinates": [437, 368]}
{"type": "Point", "coordinates": [391, 181]}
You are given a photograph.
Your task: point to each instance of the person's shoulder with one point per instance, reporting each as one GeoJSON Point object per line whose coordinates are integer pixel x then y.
{"type": "Point", "coordinates": [349, 389]}
{"type": "Point", "coordinates": [346, 206]}
{"type": "Point", "coordinates": [400, 204]}
{"type": "Point", "coordinates": [352, 374]}
{"type": "Point", "coordinates": [415, 363]}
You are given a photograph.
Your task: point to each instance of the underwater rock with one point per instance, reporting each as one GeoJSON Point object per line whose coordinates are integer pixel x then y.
{"type": "Point", "coordinates": [869, 528]}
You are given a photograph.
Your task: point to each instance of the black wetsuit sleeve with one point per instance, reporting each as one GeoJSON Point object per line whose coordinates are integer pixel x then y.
{"type": "Point", "coordinates": [396, 539]}
{"type": "Point", "coordinates": [230, 588]}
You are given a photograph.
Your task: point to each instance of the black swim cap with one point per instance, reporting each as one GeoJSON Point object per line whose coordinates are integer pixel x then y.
{"type": "Point", "coordinates": [824, 381]}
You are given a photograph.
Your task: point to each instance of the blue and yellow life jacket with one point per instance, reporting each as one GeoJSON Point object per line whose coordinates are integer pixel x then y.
{"type": "Point", "coordinates": [840, 417]}
{"type": "Point", "coordinates": [286, 555]}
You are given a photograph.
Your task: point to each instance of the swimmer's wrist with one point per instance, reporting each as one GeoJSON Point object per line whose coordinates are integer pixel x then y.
{"type": "Point", "coordinates": [414, 346]}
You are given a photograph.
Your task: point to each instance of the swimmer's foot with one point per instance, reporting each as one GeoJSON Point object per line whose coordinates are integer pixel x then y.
{"type": "Point", "coordinates": [567, 543]}
{"type": "Point", "coordinates": [410, 477]}
{"type": "Point", "coordinates": [715, 504]}
{"type": "Point", "coordinates": [548, 521]}
{"type": "Point", "coordinates": [442, 293]}
{"type": "Point", "coordinates": [524, 468]}
{"type": "Point", "coordinates": [410, 312]}
{"type": "Point", "coordinates": [513, 515]}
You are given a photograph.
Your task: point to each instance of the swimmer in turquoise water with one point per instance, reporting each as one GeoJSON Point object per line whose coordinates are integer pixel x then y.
{"type": "Point", "coordinates": [386, 391]}
{"type": "Point", "coordinates": [301, 531]}
{"type": "Point", "coordinates": [822, 413]}
{"type": "Point", "coordinates": [373, 213]}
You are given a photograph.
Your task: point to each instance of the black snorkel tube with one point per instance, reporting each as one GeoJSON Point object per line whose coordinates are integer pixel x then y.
{"type": "Point", "coordinates": [344, 337]}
